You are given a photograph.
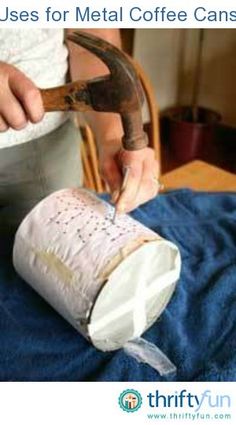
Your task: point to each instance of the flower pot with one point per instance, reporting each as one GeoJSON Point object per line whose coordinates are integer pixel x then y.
{"type": "Point", "coordinates": [189, 139]}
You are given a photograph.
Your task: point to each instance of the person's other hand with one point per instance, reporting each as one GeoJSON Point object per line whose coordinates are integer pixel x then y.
{"type": "Point", "coordinates": [142, 181]}
{"type": "Point", "coordinates": [20, 99]}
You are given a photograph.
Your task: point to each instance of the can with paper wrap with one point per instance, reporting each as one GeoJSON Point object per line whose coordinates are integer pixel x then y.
{"type": "Point", "coordinates": [110, 281]}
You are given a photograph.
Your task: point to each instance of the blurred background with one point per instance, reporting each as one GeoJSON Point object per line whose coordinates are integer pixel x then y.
{"type": "Point", "coordinates": [193, 73]}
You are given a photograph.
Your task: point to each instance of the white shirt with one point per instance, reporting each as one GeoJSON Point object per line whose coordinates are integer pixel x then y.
{"type": "Point", "coordinates": [42, 55]}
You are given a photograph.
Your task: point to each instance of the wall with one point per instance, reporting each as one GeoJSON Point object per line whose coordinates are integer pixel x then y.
{"type": "Point", "coordinates": [169, 58]}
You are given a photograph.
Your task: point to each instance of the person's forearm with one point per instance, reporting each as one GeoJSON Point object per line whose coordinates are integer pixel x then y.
{"type": "Point", "coordinates": [85, 65]}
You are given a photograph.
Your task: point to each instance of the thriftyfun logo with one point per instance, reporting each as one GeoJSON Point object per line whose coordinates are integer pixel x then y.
{"type": "Point", "coordinates": [130, 400]}
{"type": "Point", "coordinates": [186, 399]}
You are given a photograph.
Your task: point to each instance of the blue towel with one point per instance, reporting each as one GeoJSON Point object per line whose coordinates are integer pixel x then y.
{"type": "Point", "coordinates": [197, 330]}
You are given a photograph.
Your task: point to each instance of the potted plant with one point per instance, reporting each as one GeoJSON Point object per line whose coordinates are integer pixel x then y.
{"type": "Point", "coordinates": [191, 128]}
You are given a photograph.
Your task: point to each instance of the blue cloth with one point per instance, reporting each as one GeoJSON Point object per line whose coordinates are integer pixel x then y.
{"type": "Point", "coordinates": [197, 330]}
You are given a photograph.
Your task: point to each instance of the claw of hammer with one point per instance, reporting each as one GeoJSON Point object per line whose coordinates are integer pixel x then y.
{"type": "Point", "coordinates": [118, 92]}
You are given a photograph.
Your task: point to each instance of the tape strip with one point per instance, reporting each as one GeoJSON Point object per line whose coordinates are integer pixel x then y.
{"type": "Point", "coordinates": [146, 352]}
{"type": "Point", "coordinates": [139, 312]}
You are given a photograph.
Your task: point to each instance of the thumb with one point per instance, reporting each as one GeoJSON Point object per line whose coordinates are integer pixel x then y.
{"type": "Point", "coordinates": [112, 176]}
{"type": "Point", "coordinates": [131, 183]}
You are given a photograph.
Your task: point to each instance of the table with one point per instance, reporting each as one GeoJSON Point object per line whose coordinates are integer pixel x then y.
{"type": "Point", "coordinates": [199, 175]}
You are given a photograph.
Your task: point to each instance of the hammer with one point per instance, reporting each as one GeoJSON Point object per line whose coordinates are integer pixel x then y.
{"type": "Point", "coordinates": [119, 92]}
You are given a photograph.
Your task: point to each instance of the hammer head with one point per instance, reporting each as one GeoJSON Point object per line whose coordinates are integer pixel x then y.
{"type": "Point", "coordinates": [120, 91]}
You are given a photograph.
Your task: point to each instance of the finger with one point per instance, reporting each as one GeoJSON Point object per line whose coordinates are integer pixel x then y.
{"type": "Point", "coordinates": [150, 175]}
{"type": "Point", "coordinates": [112, 176]}
{"type": "Point", "coordinates": [28, 95]}
{"type": "Point", "coordinates": [156, 169]}
{"type": "Point", "coordinates": [125, 157]}
{"type": "Point", "coordinates": [12, 112]}
{"type": "Point", "coordinates": [3, 125]}
{"type": "Point", "coordinates": [127, 198]}
{"type": "Point", "coordinates": [149, 185]}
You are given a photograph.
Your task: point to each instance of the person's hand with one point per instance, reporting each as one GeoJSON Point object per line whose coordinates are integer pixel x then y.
{"type": "Point", "coordinates": [20, 99]}
{"type": "Point", "coordinates": [142, 181]}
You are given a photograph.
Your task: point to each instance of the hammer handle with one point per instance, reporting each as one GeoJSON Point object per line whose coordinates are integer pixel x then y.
{"type": "Point", "coordinates": [75, 96]}
{"type": "Point", "coordinates": [70, 97]}
{"type": "Point", "coordinates": [134, 137]}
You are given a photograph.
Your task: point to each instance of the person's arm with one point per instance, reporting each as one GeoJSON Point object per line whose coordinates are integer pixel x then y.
{"type": "Point", "coordinates": [141, 184]}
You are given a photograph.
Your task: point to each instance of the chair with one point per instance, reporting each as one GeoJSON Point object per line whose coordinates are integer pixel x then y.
{"type": "Point", "coordinates": [92, 177]}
